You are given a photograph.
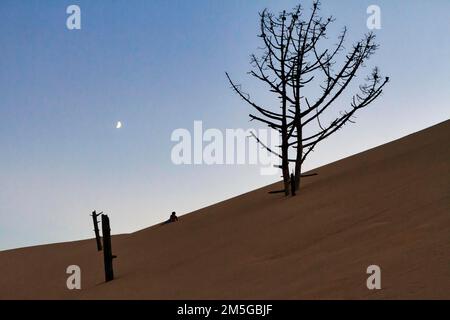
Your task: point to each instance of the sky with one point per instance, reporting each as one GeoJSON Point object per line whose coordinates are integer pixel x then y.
{"type": "Point", "coordinates": [157, 66]}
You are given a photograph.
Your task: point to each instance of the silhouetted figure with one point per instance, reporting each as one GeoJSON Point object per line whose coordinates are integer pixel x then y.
{"type": "Point", "coordinates": [292, 184]}
{"type": "Point", "coordinates": [173, 217]}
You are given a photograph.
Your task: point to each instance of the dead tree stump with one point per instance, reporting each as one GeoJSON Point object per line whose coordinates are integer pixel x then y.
{"type": "Point", "coordinates": [107, 251]}
{"type": "Point", "coordinates": [97, 232]}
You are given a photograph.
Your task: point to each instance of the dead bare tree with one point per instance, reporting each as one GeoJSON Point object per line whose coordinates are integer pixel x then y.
{"type": "Point", "coordinates": [273, 69]}
{"type": "Point", "coordinates": [291, 59]}
{"type": "Point", "coordinates": [96, 230]}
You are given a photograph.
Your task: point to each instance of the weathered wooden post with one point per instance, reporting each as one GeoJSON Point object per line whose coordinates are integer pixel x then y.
{"type": "Point", "coordinates": [97, 232]}
{"type": "Point", "coordinates": [107, 251]}
{"type": "Point", "coordinates": [292, 184]}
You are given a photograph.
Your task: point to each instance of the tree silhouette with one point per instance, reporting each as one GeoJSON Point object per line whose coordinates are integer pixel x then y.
{"type": "Point", "coordinates": [291, 59]}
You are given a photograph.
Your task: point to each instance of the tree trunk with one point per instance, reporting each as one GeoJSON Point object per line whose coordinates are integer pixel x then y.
{"type": "Point", "coordinates": [298, 159]}
{"type": "Point", "coordinates": [107, 251]}
{"type": "Point", "coordinates": [293, 188]}
{"type": "Point", "coordinates": [286, 177]}
{"type": "Point", "coordinates": [96, 231]}
{"type": "Point", "coordinates": [298, 171]}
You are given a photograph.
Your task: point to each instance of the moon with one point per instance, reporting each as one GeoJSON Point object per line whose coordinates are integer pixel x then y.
{"type": "Point", "coordinates": [118, 125]}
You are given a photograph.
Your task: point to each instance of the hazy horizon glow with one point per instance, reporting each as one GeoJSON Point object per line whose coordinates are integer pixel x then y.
{"type": "Point", "coordinates": [156, 66]}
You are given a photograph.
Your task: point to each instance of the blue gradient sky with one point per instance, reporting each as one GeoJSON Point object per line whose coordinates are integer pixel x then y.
{"type": "Point", "coordinates": [157, 66]}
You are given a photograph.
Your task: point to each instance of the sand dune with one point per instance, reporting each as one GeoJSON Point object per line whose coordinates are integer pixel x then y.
{"type": "Point", "coordinates": [388, 206]}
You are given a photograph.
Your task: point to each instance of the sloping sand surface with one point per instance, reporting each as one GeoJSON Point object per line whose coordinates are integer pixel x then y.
{"type": "Point", "coordinates": [388, 206]}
